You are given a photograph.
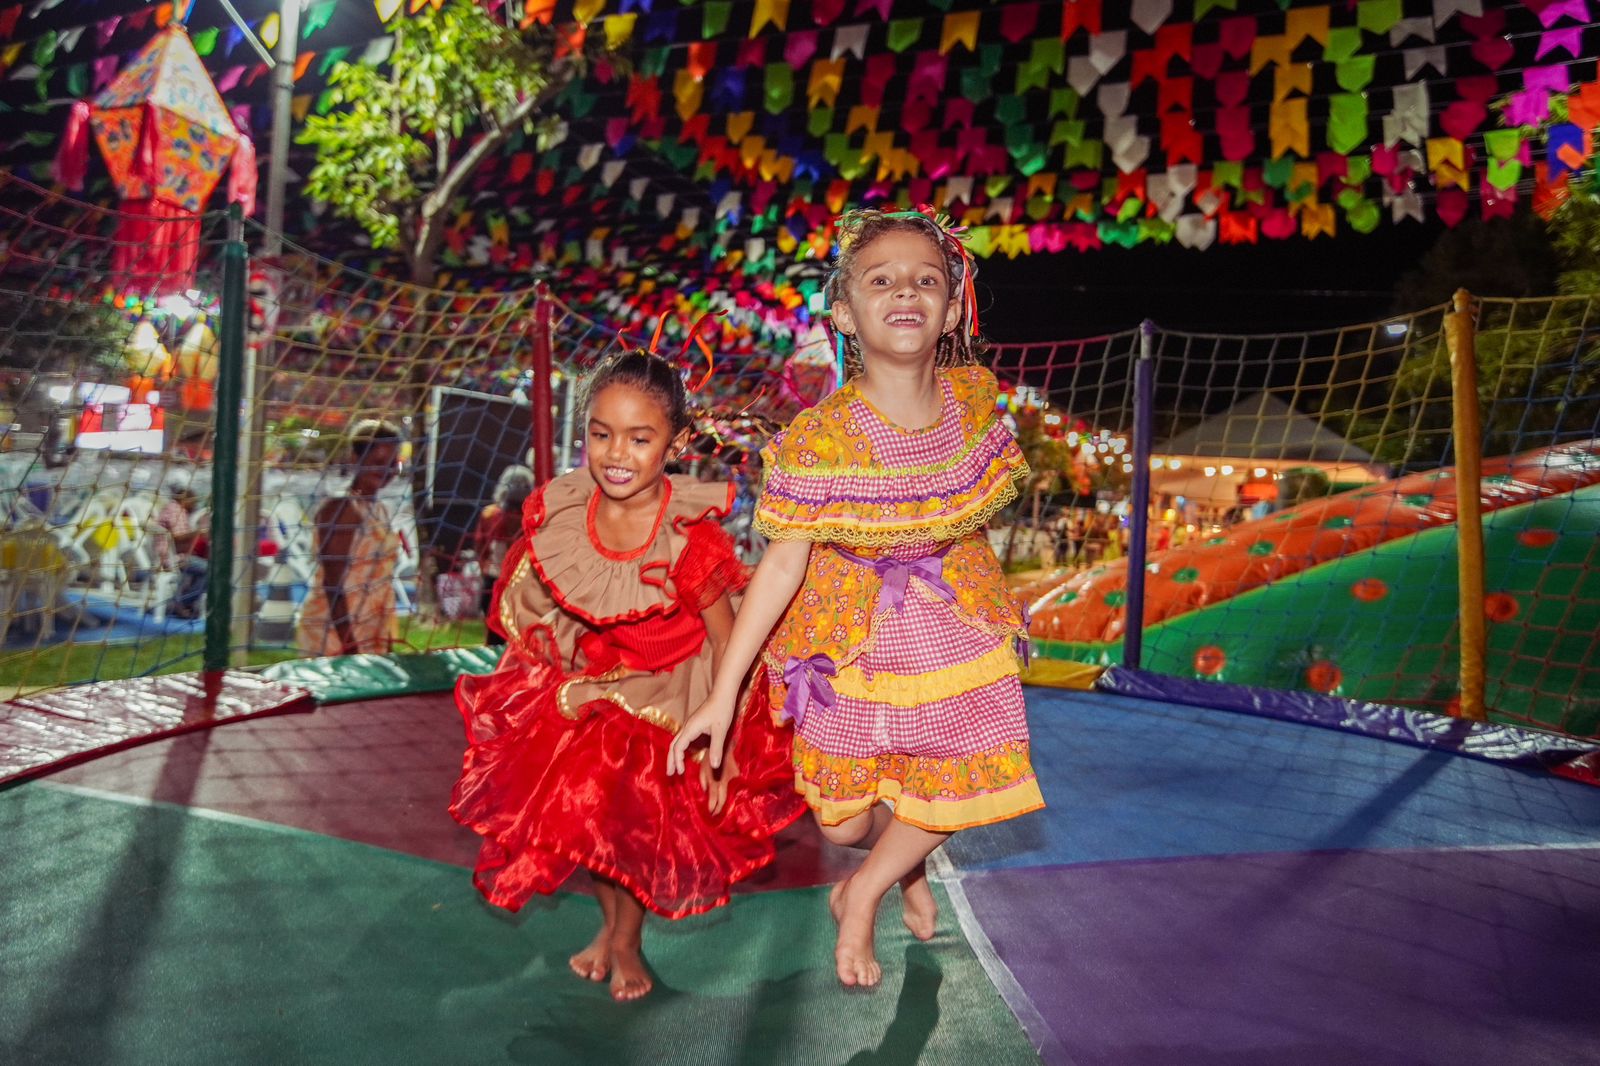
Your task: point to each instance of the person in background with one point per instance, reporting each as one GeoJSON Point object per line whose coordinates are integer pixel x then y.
{"type": "Point", "coordinates": [498, 525]}
{"type": "Point", "coordinates": [180, 543]}
{"type": "Point", "coordinates": [351, 607]}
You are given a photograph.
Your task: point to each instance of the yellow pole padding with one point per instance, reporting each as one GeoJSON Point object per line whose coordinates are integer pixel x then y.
{"type": "Point", "coordinates": [1459, 333]}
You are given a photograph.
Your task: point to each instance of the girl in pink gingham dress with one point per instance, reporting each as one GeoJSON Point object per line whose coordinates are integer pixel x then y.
{"type": "Point", "coordinates": [894, 639]}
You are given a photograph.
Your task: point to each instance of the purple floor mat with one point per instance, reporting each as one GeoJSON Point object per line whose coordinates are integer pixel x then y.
{"type": "Point", "coordinates": [1371, 958]}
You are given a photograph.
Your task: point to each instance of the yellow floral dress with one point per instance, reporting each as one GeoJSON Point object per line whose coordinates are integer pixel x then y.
{"type": "Point", "coordinates": [898, 658]}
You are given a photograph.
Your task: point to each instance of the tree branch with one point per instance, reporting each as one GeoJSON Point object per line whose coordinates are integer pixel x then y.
{"type": "Point", "coordinates": [451, 181]}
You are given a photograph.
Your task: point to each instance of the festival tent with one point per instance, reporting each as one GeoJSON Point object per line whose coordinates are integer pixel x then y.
{"type": "Point", "coordinates": [1241, 453]}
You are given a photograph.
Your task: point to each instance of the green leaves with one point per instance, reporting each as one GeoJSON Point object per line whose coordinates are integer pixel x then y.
{"type": "Point", "coordinates": [393, 135]}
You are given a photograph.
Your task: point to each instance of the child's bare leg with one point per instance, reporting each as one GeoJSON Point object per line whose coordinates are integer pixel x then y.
{"type": "Point", "coordinates": [920, 911]}
{"type": "Point", "coordinates": [593, 963]}
{"type": "Point", "coordinates": [899, 853]}
{"type": "Point", "coordinates": [630, 977]}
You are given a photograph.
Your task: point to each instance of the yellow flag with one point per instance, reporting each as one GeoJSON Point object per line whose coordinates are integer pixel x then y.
{"type": "Point", "coordinates": [775, 12]}
{"type": "Point", "coordinates": [584, 11]}
{"type": "Point", "coordinates": [1269, 50]}
{"type": "Point", "coordinates": [689, 91]}
{"type": "Point", "coordinates": [1306, 22]}
{"type": "Point", "coordinates": [1288, 128]}
{"type": "Point", "coordinates": [1318, 220]}
{"type": "Point", "coordinates": [827, 75]}
{"type": "Point", "coordinates": [619, 29]}
{"type": "Point", "coordinates": [959, 28]}
{"type": "Point", "coordinates": [861, 117]}
{"type": "Point", "coordinates": [1291, 77]}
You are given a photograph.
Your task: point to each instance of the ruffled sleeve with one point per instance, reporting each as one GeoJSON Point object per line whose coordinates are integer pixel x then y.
{"type": "Point", "coordinates": [707, 565]}
{"type": "Point", "coordinates": [823, 483]}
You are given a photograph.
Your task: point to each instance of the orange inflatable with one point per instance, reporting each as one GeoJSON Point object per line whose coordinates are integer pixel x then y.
{"type": "Point", "coordinates": [1090, 606]}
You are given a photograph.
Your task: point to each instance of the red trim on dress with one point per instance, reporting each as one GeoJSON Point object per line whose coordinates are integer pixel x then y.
{"type": "Point", "coordinates": [624, 556]}
{"type": "Point", "coordinates": [534, 516]}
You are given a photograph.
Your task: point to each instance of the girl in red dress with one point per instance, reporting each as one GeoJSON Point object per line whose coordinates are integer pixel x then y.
{"type": "Point", "coordinates": [615, 606]}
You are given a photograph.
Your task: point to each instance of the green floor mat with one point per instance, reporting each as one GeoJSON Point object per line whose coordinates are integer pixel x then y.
{"type": "Point", "coordinates": [150, 934]}
{"type": "Point", "coordinates": [345, 678]}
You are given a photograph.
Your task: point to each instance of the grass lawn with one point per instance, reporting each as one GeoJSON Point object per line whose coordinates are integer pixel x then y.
{"type": "Point", "coordinates": [34, 669]}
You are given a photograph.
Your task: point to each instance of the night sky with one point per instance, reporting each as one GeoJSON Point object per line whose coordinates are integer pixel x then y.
{"type": "Point", "coordinates": [1268, 287]}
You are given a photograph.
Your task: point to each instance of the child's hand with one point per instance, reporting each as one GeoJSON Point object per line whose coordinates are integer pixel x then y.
{"type": "Point", "coordinates": [715, 782]}
{"type": "Point", "coordinates": [711, 719]}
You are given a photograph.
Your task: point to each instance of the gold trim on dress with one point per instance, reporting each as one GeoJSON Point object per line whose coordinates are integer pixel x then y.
{"type": "Point", "coordinates": [648, 714]}
{"type": "Point", "coordinates": [508, 619]}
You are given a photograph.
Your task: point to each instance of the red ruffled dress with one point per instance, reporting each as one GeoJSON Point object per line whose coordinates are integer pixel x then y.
{"type": "Point", "coordinates": [551, 786]}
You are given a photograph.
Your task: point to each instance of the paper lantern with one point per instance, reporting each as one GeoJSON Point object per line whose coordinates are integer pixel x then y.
{"type": "Point", "coordinates": [167, 139]}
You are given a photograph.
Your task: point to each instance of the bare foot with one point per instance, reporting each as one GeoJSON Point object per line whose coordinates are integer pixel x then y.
{"type": "Point", "coordinates": [919, 910]}
{"type": "Point", "coordinates": [853, 958]}
{"type": "Point", "coordinates": [630, 977]}
{"type": "Point", "coordinates": [593, 963]}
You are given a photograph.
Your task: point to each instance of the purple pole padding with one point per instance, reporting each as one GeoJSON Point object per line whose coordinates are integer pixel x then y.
{"type": "Point", "coordinates": [1482, 740]}
{"type": "Point", "coordinates": [1144, 380]}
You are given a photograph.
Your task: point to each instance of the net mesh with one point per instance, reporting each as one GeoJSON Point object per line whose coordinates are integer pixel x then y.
{"type": "Point", "coordinates": [1302, 507]}
{"type": "Point", "coordinates": [1302, 493]}
{"type": "Point", "coordinates": [104, 358]}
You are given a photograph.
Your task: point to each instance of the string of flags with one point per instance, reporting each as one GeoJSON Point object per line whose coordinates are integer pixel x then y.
{"type": "Point", "coordinates": [715, 159]}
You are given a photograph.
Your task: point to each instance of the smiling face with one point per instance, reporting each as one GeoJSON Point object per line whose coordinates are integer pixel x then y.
{"type": "Point", "coordinates": [630, 440]}
{"type": "Point", "coordinates": [898, 301]}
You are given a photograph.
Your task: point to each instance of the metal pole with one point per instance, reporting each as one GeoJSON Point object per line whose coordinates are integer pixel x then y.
{"type": "Point", "coordinates": [1469, 505]}
{"type": "Point", "coordinates": [1144, 380]}
{"type": "Point", "coordinates": [543, 416]}
{"type": "Point", "coordinates": [286, 52]}
{"type": "Point", "coordinates": [221, 579]}
{"type": "Point", "coordinates": [258, 359]}
{"type": "Point", "coordinates": [569, 414]}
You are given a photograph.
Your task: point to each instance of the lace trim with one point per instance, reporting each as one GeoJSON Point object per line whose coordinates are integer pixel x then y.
{"type": "Point", "coordinates": [978, 438]}
{"type": "Point", "coordinates": [901, 690]}
{"type": "Point", "coordinates": [875, 536]}
{"type": "Point", "coordinates": [508, 619]}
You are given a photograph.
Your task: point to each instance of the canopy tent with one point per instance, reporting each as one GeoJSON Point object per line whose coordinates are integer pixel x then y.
{"type": "Point", "coordinates": [1248, 446]}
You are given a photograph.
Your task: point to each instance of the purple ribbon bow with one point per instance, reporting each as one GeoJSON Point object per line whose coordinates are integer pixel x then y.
{"type": "Point", "coordinates": [897, 574]}
{"type": "Point", "coordinates": [808, 683]}
{"type": "Point", "coordinates": [1024, 641]}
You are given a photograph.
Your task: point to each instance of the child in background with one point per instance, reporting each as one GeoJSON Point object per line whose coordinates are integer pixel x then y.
{"type": "Point", "coordinates": [891, 638]}
{"type": "Point", "coordinates": [350, 609]}
{"type": "Point", "coordinates": [614, 603]}
{"type": "Point", "coordinates": [498, 525]}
